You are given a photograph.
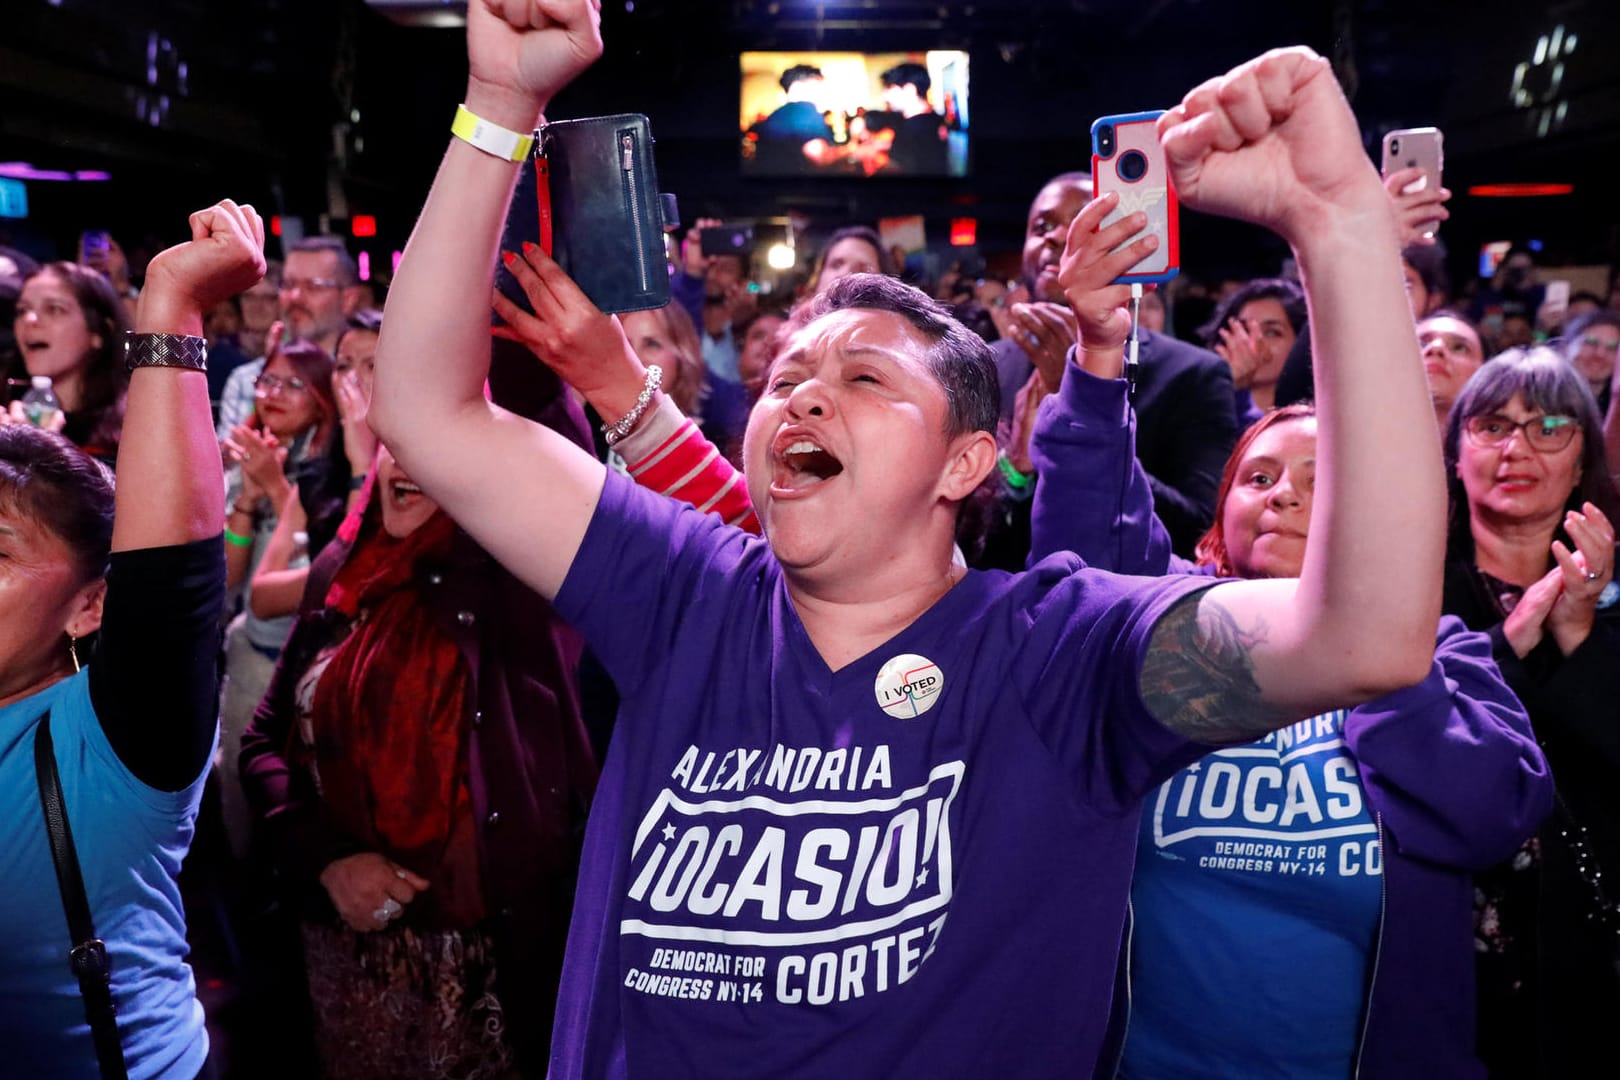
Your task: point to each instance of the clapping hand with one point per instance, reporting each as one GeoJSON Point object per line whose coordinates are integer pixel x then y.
{"type": "Point", "coordinates": [1241, 350]}
{"type": "Point", "coordinates": [261, 459]}
{"type": "Point", "coordinates": [1585, 573]}
{"type": "Point", "coordinates": [359, 441]}
{"type": "Point", "coordinates": [1563, 602]}
{"type": "Point", "coordinates": [1044, 331]}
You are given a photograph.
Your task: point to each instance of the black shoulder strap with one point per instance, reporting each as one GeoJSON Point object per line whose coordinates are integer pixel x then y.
{"type": "Point", "coordinates": [88, 958]}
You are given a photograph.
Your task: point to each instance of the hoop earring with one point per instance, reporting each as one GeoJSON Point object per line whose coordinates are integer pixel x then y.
{"type": "Point", "coordinates": [73, 652]}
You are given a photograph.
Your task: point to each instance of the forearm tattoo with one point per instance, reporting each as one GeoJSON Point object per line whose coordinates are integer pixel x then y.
{"type": "Point", "coordinates": [1198, 677]}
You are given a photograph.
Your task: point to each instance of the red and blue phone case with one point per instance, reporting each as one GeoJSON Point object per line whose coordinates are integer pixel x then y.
{"type": "Point", "coordinates": [1151, 192]}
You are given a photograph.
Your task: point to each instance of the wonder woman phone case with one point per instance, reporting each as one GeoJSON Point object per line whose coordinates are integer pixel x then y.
{"type": "Point", "coordinates": [1126, 158]}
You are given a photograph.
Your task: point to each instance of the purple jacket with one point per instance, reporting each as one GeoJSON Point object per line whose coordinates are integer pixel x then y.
{"type": "Point", "coordinates": [1461, 723]}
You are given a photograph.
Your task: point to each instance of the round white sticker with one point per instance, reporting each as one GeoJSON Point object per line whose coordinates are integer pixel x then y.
{"type": "Point", "coordinates": [909, 685]}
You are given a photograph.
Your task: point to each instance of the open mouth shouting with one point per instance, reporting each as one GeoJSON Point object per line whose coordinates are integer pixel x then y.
{"type": "Point", "coordinates": [401, 492]}
{"type": "Point", "coordinates": [801, 463]}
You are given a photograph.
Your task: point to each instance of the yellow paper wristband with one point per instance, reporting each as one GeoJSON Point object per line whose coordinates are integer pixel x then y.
{"type": "Point", "coordinates": [492, 139]}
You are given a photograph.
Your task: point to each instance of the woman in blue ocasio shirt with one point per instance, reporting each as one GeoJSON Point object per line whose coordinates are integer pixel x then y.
{"type": "Point", "coordinates": [1301, 904]}
{"type": "Point", "coordinates": [134, 728]}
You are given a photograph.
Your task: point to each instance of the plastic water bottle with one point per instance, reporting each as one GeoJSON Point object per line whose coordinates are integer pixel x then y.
{"type": "Point", "coordinates": [40, 404]}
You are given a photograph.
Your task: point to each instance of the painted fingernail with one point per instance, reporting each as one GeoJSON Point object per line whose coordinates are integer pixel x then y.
{"type": "Point", "coordinates": [509, 257]}
{"type": "Point", "coordinates": [530, 247]}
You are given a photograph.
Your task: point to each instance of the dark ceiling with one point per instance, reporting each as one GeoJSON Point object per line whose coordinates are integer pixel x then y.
{"type": "Point", "coordinates": [183, 101]}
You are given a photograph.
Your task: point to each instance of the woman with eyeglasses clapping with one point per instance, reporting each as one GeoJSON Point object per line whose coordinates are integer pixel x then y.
{"type": "Point", "coordinates": [295, 417]}
{"type": "Point", "coordinates": [1531, 561]}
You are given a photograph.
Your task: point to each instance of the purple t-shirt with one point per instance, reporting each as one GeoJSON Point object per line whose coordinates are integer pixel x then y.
{"type": "Point", "coordinates": [916, 865]}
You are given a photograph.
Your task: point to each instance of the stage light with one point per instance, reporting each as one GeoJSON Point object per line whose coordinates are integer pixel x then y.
{"type": "Point", "coordinates": [1519, 190]}
{"type": "Point", "coordinates": [964, 231]}
{"type": "Point", "coordinates": [363, 225]}
{"type": "Point", "coordinates": [780, 257]}
{"type": "Point", "coordinates": [22, 170]}
{"type": "Point", "coordinates": [364, 262]}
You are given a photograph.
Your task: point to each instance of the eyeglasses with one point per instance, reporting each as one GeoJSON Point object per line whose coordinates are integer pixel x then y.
{"type": "Point", "coordinates": [309, 285]}
{"type": "Point", "coordinates": [266, 385]}
{"type": "Point", "coordinates": [1547, 434]}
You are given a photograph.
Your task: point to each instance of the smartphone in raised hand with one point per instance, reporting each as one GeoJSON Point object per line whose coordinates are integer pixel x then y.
{"type": "Point", "coordinates": [1416, 148]}
{"type": "Point", "coordinates": [1126, 158]}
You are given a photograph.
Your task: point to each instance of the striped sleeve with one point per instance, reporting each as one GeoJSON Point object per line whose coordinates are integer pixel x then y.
{"type": "Point", "coordinates": [686, 466]}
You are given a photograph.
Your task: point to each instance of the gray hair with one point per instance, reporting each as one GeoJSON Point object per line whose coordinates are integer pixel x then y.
{"type": "Point", "coordinates": [1548, 384]}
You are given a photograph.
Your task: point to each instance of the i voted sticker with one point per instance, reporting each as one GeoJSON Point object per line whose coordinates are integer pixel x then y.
{"type": "Point", "coordinates": [909, 685]}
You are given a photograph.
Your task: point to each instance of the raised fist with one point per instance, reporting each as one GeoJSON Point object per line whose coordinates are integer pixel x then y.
{"type": "Point", "coordinates": [224, 256]}
{"type": "Point", "coordinates": [1273, 142]}
{"type": "Point", "coordinates": [521, 52]}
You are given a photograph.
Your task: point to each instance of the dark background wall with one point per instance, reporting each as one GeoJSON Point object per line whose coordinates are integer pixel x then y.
{"type": "Point", "coordinates": [183, 101]}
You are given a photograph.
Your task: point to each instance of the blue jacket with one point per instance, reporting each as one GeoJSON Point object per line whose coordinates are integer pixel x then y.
{"type": "Point", "coordinates": [1461, 723]}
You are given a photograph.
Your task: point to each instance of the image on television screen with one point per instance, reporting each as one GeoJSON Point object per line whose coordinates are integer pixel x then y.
{"type": "Point", "coordinates": [855, 114]}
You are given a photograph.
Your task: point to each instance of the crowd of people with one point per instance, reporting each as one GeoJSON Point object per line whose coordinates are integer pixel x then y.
{"type": "Point", "coordinates": [875, 684]}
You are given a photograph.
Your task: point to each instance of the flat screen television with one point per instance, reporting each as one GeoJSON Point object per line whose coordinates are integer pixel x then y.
{"type": "Point", "coordinates": [854, 114]}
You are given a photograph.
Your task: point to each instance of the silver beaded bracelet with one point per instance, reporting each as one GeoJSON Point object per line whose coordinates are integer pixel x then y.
{"type": "Point", "coordinates": [625, 424]}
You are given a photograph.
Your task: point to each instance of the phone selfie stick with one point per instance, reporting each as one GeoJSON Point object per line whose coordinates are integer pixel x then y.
{"type": "Point", "coordinates": [1134, 342]}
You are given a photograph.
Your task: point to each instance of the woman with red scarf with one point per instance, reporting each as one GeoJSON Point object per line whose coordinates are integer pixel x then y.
{"type": "Point", "coordinates": [422, 775]}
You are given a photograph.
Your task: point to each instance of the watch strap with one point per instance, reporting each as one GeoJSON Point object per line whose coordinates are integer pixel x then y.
{"type": "Point", "coordinates": [165, 350]}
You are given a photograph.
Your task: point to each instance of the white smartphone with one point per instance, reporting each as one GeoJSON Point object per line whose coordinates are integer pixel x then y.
{"type": "Point", "coordinates": [1419, 148]}
{"type": "Point", "coordinates": [1557, 296]}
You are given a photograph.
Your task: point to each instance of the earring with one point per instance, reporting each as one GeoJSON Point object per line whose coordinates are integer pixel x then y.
{"type": "Point", "coordinates": [73, 651]}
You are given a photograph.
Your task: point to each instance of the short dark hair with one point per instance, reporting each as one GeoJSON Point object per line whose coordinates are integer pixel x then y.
{"type": "Point", "coordinates": [959, 358]}
{"type": "Point", "coordinates": [1285, 292]}
{"type": "Point", "coordinates": [864, 233]}
{"type": "Point", "coordinates": [1546, 382]}
{"type": "Point", "coordinates": [1429, 260]}
{"type": "Point", "coordinates": [908, 74]}
{"type": "Point", "coordinates": [1073, 176]}
{"type": "Point", "coordinates": [46, 479]}
{"type": "Point", "coordinates": [798, 72]}
{"type": "Point", "coordinates": [348, 269]}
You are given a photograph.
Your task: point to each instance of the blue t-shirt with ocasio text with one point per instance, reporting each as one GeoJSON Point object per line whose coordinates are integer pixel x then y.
{"type": "Point", "coordinates": [1259, 881]}
{"type": "Point", "coordinates": [916, 865]}
{"type": "Point", "coordinates": [131, 840]}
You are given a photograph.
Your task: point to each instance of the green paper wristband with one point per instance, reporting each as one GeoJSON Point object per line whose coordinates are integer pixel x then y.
{"type": "Point", "coordinates": [238, 540]}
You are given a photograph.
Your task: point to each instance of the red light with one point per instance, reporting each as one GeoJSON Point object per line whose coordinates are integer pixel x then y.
{"type": "Point", "coordinates": [275, 224]}
{"type": "Point", "coordinates": [1518, 191]}
{"type": "Point", "coordinates": [363, 225]}
{"type": "Point", "coordinates": [964, 231]}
